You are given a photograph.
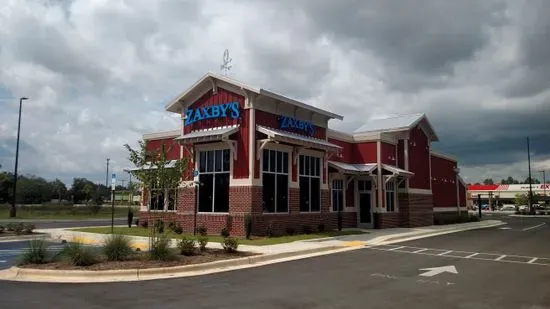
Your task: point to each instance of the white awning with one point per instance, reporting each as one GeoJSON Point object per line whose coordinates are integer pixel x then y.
{"type": "Point", "coordinates": [397, 171]}
{"type": "Point", "coordinates": [292, 138]}
{"type": "Point", "coordinates": [366, 168]}
{"type": "Point", "coordinates": [170, 164]}
{"type": "Point", "coordinates": [208, 135]}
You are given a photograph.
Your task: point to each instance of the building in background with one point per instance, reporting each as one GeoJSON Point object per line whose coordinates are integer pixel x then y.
{"type": "Point", "coordinates": [258, 153]}
{"type": "Point", "coordinates": [506, 194]}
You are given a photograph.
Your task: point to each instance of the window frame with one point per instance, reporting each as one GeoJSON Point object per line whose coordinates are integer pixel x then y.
{"type": "Point", "coordinates": [341, 190]}
{"type": "Point", "coordinates": [166, 200]}
{"type": "Point", "coordinates": [319, 166]}
{"type": "Point", "coordinates": [390, 189]}
{"type": "Point", "coordinates": [276, 173]}
{"type": "Point", "coordinates": [214, 173]}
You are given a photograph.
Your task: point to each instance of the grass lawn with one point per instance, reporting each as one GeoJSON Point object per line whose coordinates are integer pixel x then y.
{"type": "Point", "coordinates": [258, 241]}
{"type": "Point", "coordinates": [63, 212]}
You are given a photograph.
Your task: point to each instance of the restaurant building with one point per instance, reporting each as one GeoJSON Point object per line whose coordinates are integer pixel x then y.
{"type": "Point", "coordinates": [253, 152]}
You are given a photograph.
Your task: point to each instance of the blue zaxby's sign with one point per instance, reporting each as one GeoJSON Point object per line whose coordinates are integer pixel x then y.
{"type": "Point", "coordinates": [293, 123]}
{"type": "Point", "coordinates": [211, 112]}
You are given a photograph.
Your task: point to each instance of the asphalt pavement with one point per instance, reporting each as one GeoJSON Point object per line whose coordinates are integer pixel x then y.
{"type": "Point", "coordinates": [489, 268]}
{"type": "Point", "coordinates": [67, 223]}
{"type": "Point", "coordinates": [11, 250]}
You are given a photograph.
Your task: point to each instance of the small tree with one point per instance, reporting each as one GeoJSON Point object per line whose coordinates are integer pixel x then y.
{"type": "Point", "coordinates": [154, 173]}
{"type": "Point", "coordinates": [522, 199]}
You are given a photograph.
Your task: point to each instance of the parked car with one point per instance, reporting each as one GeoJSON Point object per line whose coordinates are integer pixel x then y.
{"type": "Point", "coordinates": [523, 208]}
{"type": "Point", "coordinates": [508, 207]}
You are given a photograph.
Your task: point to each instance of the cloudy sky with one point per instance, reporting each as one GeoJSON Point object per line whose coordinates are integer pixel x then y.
{"type": "Point", "coordinates": [99, 72]}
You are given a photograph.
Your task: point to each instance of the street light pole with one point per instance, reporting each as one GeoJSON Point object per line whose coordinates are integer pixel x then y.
{"type": "Point", "coordinates": [543, 181]}
{"type": "Point", "coordinates": [530, 179]}
{"type": "Point", "coordinates": [13, 210]}
{"type": "Point", "coordinates": [107, 174]}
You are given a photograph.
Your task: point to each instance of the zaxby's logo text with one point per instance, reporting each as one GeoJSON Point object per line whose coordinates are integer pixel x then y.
{"type": "Point", "coordinates": [210, 112]}
{"type": "Point", "coordinates": [289, 122]}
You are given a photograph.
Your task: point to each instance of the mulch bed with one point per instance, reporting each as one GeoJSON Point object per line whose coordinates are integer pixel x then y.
{"type": "Point", "coordinates": [141, 260]}
{"type": "Point", "coordinates": [11, 233]}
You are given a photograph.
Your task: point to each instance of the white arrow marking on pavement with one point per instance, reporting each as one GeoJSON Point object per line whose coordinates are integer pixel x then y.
{"type": "Point", "coordinates": [3, 261]}
{"type": "Point", "coordinates": [505, 228]}
{"type": "Point", "coordinates": [438, 270]}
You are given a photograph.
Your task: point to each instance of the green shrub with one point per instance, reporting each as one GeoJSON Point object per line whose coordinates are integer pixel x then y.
{"type": "Point", "coordinates": [321, 227]}
{"type": "Point", "coordinates": [145, 224]}
{"type": "Point", "coordinates": [36, 253]}
{"type": "Point", "coordinates": [230, 244]}
{"type": "Point", "coordinates": [306, 229]}
{"type": "Point", "coordinates": [187, 246]}
{"type": "Point", "coordinates": [94, 209]}
{"type": "Point", "coordinates": [225, 232]}
{"type": "Point", "coordinates": [203, 241]}
{"type": "Point", "coordinates": [19, 228]}
{"type": "Point", "coordinates": [117, 247]}
{"type": "Point", "coordinates": [159, 226]}
{"type": "Point", "coordinates": [290, 231]}
{"type": "Point", "coordinates": [10, 227]}
{"type": "Point", "coordinates": [160, 249]}
{"type": "Point", "coordinates": [202, 230]}
{"type": "Point", "coordinates": [178, 229]}
{"type": "Point", "coordinates": [28, 228]}
{"type": "Point", "coordinates": [248, 225]}
{"type": "Point", "coordinates": [171, 225]}
{"type": "Point", "coordinates": [517, 212]}
{"type": "Point", "coordinates": [1, 229]}
{"type": "Point", "coordinates": [79, 255]}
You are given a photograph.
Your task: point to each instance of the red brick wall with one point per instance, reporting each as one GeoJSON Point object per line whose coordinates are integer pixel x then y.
{"type": "Point", "coordinates": [419, 159]}
{"type": "Point", "coordinates": [444, 182]}
{"type": "Point", "coordinates": [364, 153]}
{"type": "Point", "coordinates": [387, 152]}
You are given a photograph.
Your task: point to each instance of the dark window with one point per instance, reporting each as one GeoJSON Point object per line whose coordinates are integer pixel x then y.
{"type": "Point", "coordinates": [157, 199]}
{"type": "Point", "coordinates": [214, 181]}
{"type": "Point", "coordinates": [310, 184]}
{"type": "Point", "coordinates": [390, 196]}
{"type": "Point", "coordinates": [337, 194]}
{"type": "Point", "coordinates": [275, 181]}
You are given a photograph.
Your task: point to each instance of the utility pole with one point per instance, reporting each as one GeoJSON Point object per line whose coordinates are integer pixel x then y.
{"type": "Point", "coordinates": [107, 174]}
{"type": "Point", "coordinates": [530, 179]}
{"type": "Point", "coordinates": [13, 210]}
{"type": "Point", "coordinates": [543, 182]}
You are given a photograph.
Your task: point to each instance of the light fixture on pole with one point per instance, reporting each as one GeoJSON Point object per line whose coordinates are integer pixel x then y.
{"type": "Point", "coordinates": [13, 210]}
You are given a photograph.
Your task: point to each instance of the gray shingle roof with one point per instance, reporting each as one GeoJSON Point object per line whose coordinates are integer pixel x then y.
{"type": "Point", "coordinates": [392, 123]}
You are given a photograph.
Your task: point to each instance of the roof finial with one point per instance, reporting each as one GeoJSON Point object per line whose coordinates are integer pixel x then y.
{"type": "Point", "coordinates": [226, 65]}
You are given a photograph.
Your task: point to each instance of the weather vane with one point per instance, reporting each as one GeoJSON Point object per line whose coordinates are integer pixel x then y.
{"type": "Point", "coordinates": [226, 66]}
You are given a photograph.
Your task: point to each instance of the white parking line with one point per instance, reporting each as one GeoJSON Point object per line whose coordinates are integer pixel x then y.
{"type": "Point", "coordinates": [421, 250]}
{"type": "Point", "coordinates": [533, 227]}
{"type": "Point", "coordinates": [396, 248]}
{"type": "Point", "coordinates": [502, 258]}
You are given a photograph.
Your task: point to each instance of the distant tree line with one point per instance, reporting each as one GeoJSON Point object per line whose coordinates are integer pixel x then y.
{"type": "Point", "coordinates": [37, 190]}
{"type": "Point", "coordinates": [509, 181]}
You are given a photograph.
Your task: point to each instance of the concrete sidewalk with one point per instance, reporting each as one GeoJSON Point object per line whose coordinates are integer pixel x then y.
{"type": "Point", "coordinates": [373, 237]}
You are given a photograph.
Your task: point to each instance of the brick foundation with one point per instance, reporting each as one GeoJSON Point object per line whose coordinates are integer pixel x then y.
{"type": "Point", "coordinates": [415, 209]}
{"type": "Point", "coordinates": [248, 200]}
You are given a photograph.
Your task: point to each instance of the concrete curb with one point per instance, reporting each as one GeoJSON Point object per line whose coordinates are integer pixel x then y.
{"type": "Point", "coordinates": [386, 240]}
{"type": "Point", "coordinates": [88, 276]}
{"type": "Point", "coordinates": [530, 216]}
{"type": "Point", "coordinates": [24, 237]}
